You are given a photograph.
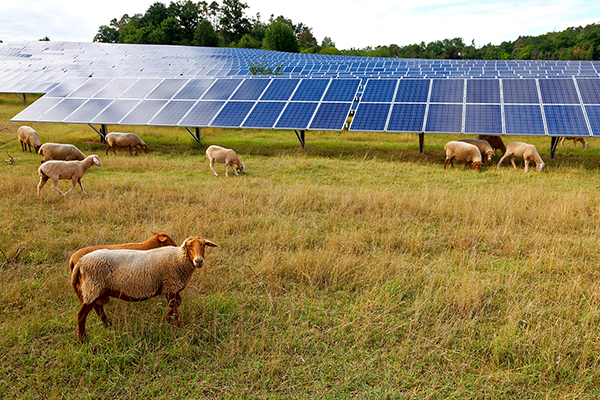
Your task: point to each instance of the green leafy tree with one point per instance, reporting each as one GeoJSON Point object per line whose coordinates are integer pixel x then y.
{"type": "Point", "coordinates": [280, 36]}
{"type": "Point", "coordinates": [234, 24]}
{"type": "Point", "coordinates": [248, 42]}
{"type": "Point", "coordinates": [205, 35]}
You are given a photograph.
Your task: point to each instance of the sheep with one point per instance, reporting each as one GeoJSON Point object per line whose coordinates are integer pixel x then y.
{"type": "Point", "coordinates": [123, 140]}
{"type": "Point", "coordinates": [583, 142]}
{"type": "Point", "coordinates": [72, 170]}
{"type": "Point", "coordinates": [484, 147]}
{"type": "Point", "coordinates": [158, 240]}
{"type": "Point", "coordinates": [134, 275]}
{"type": "Point", "coordinates": [463, 152]}
{"type": "Point", "coordinates": [222, 155]}
{"type": "Point", "coordinates": [494, 141]}
{"type": "Point", "coordinates": [527, 151]}
{"type": "Point", "coordinates": [59, 151]}
{"type": "Point", "coordinates": [29, 137]}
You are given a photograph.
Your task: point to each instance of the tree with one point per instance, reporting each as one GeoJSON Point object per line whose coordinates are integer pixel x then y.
{"type": "Point", "coordinates": [248, 42]}
{"type": "Point", "coordinates": [306, 40]}
{"type": "Point", "coordinates": [107, 34]}
{"type": "Point", "coordinates": [187, 15]}
{"type": "Point", "coordinates": [234, 24]}
{"type": "Point", "coordinates": [205, 35]}
{"type": "Point", "coordinates": [280, 36]}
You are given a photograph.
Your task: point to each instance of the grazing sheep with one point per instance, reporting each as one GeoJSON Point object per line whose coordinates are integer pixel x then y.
{"type": "Point", "coordinates": [158, 240]}
{"type": "Point", "coordinates": [59, 151]}
{"type": "Point", "coordinates": [494, 141]}
{"type": "Point", "coordinates": [222, 155]}
{"type": "Point", "coordinates": [463, 152]}
{"type": "Point", "coordinates": [123, 140]}
{"type": "Point", "coordinates": [527, 151]}
{"type": "Point", "coordinates": [29, 137]}
{"type": "Point", "coordinates": [134, 275]}
{"type": "Point", "coordinates": [484, 147]}
{"type": "Point", "coordinates": [72, 170]}
{"type": "Point", "coordinates": [581, 140]}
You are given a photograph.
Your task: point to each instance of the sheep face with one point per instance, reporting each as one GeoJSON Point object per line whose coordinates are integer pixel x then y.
{"type": "Point", "coordinates": [539, 167]}
{"type": "Point", "coordinates": [489, 156]}
{"type": "Point", "coordinates": [240, 167]}
{"type": "Point", "coordinates": [194, 248]}
{"type": "Point", "coordinates": [477, 165]}
{"type": "Point", "coordinates": [96, 160]}
{"type": "Point", "coordinates": [164, 239]}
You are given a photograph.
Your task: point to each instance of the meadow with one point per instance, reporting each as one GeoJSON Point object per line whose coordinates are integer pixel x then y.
{"type": "Point", "coordinates": [356, 268]}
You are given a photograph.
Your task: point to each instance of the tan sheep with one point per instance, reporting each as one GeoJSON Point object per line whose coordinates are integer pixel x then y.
{"type": "Point", "coordinates": [224, 156]}
{"type": "Point", "coordinates": [29, 137]}
{"type": "Point", "coordinates": [462, 151]}
{"type": "Point", "coordinates": [494, 141]}
{"type": "Point", "coordinates": [59, 151]}
{"type": "Point", "coordinates": [122, 140]}
{"type": "Point", "coordinates": [72, 170]}
{"type": "Point", "coordinates": [581, 140]}
{"type": "Point", "coordinates": [527, 151]}
{"type": "Point", "coordinates": [156, 241]}
{"type": "Point", "coordinates": [484, 147]}
{"type": "Point", "coordinates": [134, 275]}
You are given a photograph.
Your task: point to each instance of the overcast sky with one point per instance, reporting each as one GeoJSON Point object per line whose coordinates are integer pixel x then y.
{"type": "Point", "coordinates": [349, 23]}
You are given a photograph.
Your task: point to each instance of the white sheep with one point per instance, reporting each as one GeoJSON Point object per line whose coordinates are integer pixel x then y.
{"type": "Point", "coordinates": [134, 275]}
{"type": "Point", "coordinates": [222, 155]}
{"type": "Point", "coordinates": [484, 147]}
{"type": "Point", "coordinates": [123, 140]}
{"type": "Point", "coordinates": [494, 141]}
{"type": "Point", "coordinates": [581, 140]}
{"type": "Point", "coordinates": [29, 137]}
{"type": "Point", "coordinates": [527, 151]}
{"type": "Point", "coordinates": [463, 152]}
{"type": "Point", "coordinates": [73, 170]}
{"type": "Point", "coordinates": [59, 151]}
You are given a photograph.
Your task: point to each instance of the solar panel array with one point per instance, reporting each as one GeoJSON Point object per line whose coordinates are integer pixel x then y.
{"type": "Point", "coordinates": [212, 87]}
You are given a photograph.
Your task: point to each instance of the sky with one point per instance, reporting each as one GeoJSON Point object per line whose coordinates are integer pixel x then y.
{"type": "Point", "coordinates": [348, 23]}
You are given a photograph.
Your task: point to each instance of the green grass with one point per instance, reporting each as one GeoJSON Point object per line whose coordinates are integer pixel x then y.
{"type": "Point", "coordinates": [357, 268]}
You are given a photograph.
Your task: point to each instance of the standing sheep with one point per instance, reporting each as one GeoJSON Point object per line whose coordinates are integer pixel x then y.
{"type": "Point", "coordinates": [73, 170]}
{"type": "Point", "coordinates": [581, 140]}
{"type": "Point", "coordinates": [222, 155]}
{"type": "Point", "coordinates": [484, 147]}
{"type": "Point", "coordinates": [58, 151]}
{"type": "Point", "coordinates": [156, 241]}
{"type": "Point", "coordinates": [494, 141]}
{"type": "Point", "coordinates": [134, 275]}
{"type": "Point", "coordinates": [527, 151]}
{"type": "Point", "coordinates": [123, 140]}
{"type": "Point", "coordinates": [463, 152]}
{"type": "Point", "coordinates": [29, 137]}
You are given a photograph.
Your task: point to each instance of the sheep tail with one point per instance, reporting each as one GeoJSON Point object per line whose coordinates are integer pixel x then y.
{"type": "Point", "coordinates": [75, 275]}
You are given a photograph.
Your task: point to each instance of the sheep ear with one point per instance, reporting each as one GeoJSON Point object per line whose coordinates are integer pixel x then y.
{"type": "Point", "coordinates": [209, 243]}
{"type": "Point", "coordinates": [154, 233]}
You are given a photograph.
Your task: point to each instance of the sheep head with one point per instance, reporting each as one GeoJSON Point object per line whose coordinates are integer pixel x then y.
{"type": "Point", "coordinates": [163, 239]}
{"type": "Point", "coordinates": [95, 160]}
{"type": "Point", "coordinates": [539, 167]}
{"type": "Point", "coordinates": [240, 167]}
{"type": "Point", "coordinates": [194, 249]}
{"type": "Point", "coordinates": [489, 155]}
{"type": "Point", "coordinates": [477, 165]}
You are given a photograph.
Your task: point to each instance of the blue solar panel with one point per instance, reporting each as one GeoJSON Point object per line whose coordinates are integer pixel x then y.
{"type": "Point", "coordinates": [483, 119]}
{"type": "Point", "coordinates": [280, 89]}
{"type": "Point", "coordinates": [194, 89]}
{"type": "Point", "coordinates": [67, 87]}
{"type": "Point", "coordinates": [483, 91]}
{"type": "Point", "coordinates": [297, 115]}
{"type": "Point", "coordinates": [593, 113]}
{"type": "Point", "coordinates": [250, 89]}
{"type": "Point", "coordinates": [167, 89]}
{"type": "Point", "coordinates": [565, 120]}
{"type": "Point", "coordinates": [264, 115]}
{"type": "Point", "coordinates": [412, 90]}
{"type": "Point", "coordinates": [444, 118]}
{"type": "Point", "coordinates": [202, 113]}
{"type": "Point", "coordinates": [233, 114]}
{"type": "Point", "coordinates": [342, 90]}
{"type": "Point", "coordinates": [407, 117]}
{"type": "Point", "coordinates": [222, 89]}
{"type": "Point", "coordinates": [89, 88]}
{"type": "Point", "coordinates": [523, 119]}
{"type": "Point", "coordinates": [114, 112]}
{"type": "Point", "coordinates": [62, 110]}
{"type": "Point", "coordinates": [331, 116]}
{"type": "Point", "coordinates": [88, 111]}
{"type": "Point", "coordinates": [172, 113]}
{"type": "Point", "coordinates": [143, 112]}
{"type": "Point", "coordinates": [379, 90]}
{"type": "Point", "coordinates": [310, 90]}
{"type": "Point", "coordinates": [520, 91]}
{"type": "Point", "coordinates": [34, 111]}
{"type": "Point", "coordinates": [114, 88]}
{"type": "Point", "coordinates": [140, 89]}
{"type": "Point", "coordinates": [447, 91]}
{"type": "Point", "coordinates": [370, 117]}
{"type": "Point", "coordinates": [590, 90]}
{"type": "Point", "coordinates": [558, 91]}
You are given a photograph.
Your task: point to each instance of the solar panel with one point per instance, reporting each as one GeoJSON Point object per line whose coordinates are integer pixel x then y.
{"type": "Point", "coordinates": [250, 89]}
{"type": "Point", "coordinates": [520, 91]}
{"type": "Point", "coordinates": [558, 91]}
{"type": "Point", "coordinates": [444, 118]}
{"type": "Point", "coordinates": [447, 91]}
{"type": "Point", "coordinates": [483, 91]}
{"type": "Point", "coordinates": [523, 119]}
{"type": "Point", "coordinates": [565, 120]}
{"type": "Point", "coordinates": [202, 113]}
{"type": "Point", "coordinates": [331, 116]}
{"type": "Point", "coordinates": [310, 90]}
{"type": "Point", "coordinates": [60, 111]}
{"type": "Point", "coordinates": [87, 111]}
{"type": "Point", "coordinates": [590, 90]}
{"type": "Point", "coordinates": [413, 90]}
{"type": "Point", "coordinates": [342, 90]}
{"type": "Point", "coordinates": [264, 115]}
{"type": "Point", "coordinates": [483, 119]}
{"type": "Point", "coordinates": [143, 112]}
{"type": "Point", "coordinates": [593, 113]}
{"type": "Point", "coordinates": [370, 117]}
{"type": "Point", "coordinates": [167, 89]}
{"type": "Point", "coordinates": [222, 89]}
{"type": "Point", "coordinates": [233, 114]}
{"type": "Point", "coordinates": [379, 90]}
{"type": "Point", "coordinates": [406, 117]}
{"type": "Point", "coordinates": [171, 113]}
{"type": "Point", "coordinates": [194, 89]}
{"type": "Point", "coordinates": [297, 115]}
{"type": "Point", "coordinates": [115, 112]}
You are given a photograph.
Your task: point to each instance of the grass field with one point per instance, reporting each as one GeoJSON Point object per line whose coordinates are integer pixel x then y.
{"type": "Point", "coordinates": [357, 268]}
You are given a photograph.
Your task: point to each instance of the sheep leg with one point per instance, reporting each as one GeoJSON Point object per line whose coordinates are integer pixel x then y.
{"type": "Point", "coordinates": [212, 166]}
{"type": "Point", "coordinates": [512, 160]}
{"type": "Point", "coordinates": [55, 187]}
{"type": "Point", "coordinates": [226, 168]}
{"type": "Point", "coordinates": [234, 169]}
{"type": "Point", "coordinates": [174, 302]}
{"type": "Point", "coordinates": [23, 146]}
{"type": "Point", "coordinates": [43, 180]}
{"type": "Point", "coordinates": [526, 164]}
{"type": "Point", "coordinates": [501, 159]}
{"type": "Point", "coordinates": [81, 317]}
{"type": "Point", "coordinates": [100, 311]}
{"type": "Point", "coordinates": [80, 185]}
{"type": "Point", "coordinates": [108, 148]}
{"type": "Point", "coordinates": [130, 152]}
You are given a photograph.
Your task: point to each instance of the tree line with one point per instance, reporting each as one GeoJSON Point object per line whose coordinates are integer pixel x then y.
{"type": "Point", "coordinates": [227, 25]}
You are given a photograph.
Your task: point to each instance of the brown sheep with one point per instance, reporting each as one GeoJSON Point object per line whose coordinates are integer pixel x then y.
{"type": "Point", "coordinates": [494, 141]}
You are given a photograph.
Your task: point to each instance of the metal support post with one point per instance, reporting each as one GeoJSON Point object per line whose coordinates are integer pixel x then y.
{"type": "Point", "coordinates": [301, 138]}
{"type": "Point", "coordinates": [422, 142]}
{"type": "Point", "coordinates": [553, 143]}
{"type": "Point", "coordinates": [197, 135]}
